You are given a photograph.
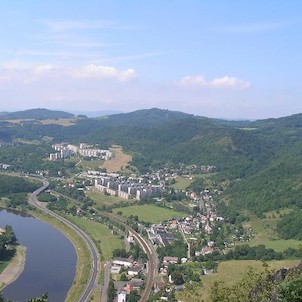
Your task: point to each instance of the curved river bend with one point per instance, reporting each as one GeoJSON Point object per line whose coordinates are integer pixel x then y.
{"type": "Point", "coordinates": [50, 260]}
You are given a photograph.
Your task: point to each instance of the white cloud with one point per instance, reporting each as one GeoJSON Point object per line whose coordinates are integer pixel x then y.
{"type": "Point", "coordinates": [193, 81]}
{"type": "Point", "coordinates": [44, 69]}
{"type": "Point", "coordinates": [104, 72]}
{"type": "Point", "coordinates": [229, 82]}
{"type": "Point", "coordinates": [223, 82]}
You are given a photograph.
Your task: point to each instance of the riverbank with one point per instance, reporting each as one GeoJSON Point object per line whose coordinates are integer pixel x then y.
{"type": "Point", "coordinates": [14, 268]}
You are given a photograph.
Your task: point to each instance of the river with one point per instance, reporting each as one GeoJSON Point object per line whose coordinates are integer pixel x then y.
{"type": "Point", "coordinates": [50, 259]}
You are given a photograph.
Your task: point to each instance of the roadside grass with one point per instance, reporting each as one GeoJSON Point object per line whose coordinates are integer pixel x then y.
{"type": "Point", "coordinates": [102, 236]}
{"type": "Point", "coordinates": [107, 200]}
{"type": "Point", "coordinates": [229, 272]}
{"type": "Point", "coordinates": [149, 213]}
{"type": "Point", "coordinates": [83, 259]}
{"type": "Point", "coordinates": [118, 162]}
{"type": "Point", "coordinates": [181, 183]}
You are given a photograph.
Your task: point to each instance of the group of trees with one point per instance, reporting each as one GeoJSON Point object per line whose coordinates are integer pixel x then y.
{"type": "Point", "coordinates": [8, 242]}
{"type": "Point", "coordinates": [290, 226]}
{"type": "Point", "coordinates": [175, 249]}
{"type": "Point", "coordinates": [43, 298]}
{"type": "Point", "coordinates": [247, 252]}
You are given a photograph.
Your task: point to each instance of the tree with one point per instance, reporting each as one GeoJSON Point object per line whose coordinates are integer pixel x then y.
{"type": "Point", "coordinates": [10, 236]}
{"type": "Point", "coordinates": [177, 278]}
{"type": "Point", "coordinates": [123, 277]}
{"type": "Point", "coordinates": [111, 291]}
{"type": "Point", "coordinates": [134, 296]}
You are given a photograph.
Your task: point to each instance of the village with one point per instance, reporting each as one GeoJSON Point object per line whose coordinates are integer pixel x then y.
{"type": "Point", "coordinates": [197, 232]}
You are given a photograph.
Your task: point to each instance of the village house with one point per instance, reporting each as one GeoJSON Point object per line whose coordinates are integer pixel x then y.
{"type": "Point", "coordinates": [126, 262]}
{"type": "Point", "coordinates": [170, 260]}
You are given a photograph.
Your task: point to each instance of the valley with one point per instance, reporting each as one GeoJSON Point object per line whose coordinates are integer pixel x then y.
{"type": "Point", "coordinates": [206, 195]}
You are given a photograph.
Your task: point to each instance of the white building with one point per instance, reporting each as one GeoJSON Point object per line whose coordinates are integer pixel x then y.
{"type": "Point", "coordinates": [122, 296]}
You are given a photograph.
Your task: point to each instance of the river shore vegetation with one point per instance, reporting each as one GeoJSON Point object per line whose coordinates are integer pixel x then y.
{"type": "Point", "coordinates": [8, 243]}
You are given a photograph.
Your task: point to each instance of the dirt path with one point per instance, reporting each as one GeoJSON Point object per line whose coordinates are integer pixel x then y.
{"type": "Point", "coordinates": [14, 269]}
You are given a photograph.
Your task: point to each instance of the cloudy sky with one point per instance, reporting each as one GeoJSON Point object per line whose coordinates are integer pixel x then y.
{"type": "Point", "coordinates": [230, 59]}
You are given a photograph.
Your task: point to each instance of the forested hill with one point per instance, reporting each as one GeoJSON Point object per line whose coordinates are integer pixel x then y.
{"type": "Point", "coordinates": [264, 155]}
{"type": "Point", "coordinates": [146, 118]}
{"type": "Point", "coordinates": [39, 114]}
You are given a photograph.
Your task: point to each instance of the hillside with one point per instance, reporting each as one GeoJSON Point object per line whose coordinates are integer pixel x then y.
{"type": "Point", "coordinates": [261, 159]}
{"type": "Point", "coordinates": [38, 114]}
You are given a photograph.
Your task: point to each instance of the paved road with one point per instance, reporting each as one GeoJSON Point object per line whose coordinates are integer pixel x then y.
{"type": "Point", "coordinates": [92, 248]}
{"type": "Point", "coordinates": [152, 257]}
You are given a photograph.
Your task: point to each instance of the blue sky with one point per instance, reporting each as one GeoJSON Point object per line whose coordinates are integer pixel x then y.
{"type": "Point", "coordinates": [231, 59]}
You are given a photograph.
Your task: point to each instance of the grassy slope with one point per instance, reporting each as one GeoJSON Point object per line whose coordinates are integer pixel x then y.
{"type": "Point", "coordinates": [182, 183]}
{"type": "Point", "coordinates": [229, 272]}
{"type": "Point", "coordinates": [105, 240]}
{"type": "Point", "coordinates": [102, 199]}
{"type": "Point", "coordinates": [266, 232]}
{"type": "Point", "coordinates": [149, 213]}
{"type": "Point", "coordinates": [118, 162]}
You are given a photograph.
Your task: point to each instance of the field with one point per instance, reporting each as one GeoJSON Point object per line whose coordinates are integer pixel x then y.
{"type": "Point", "coordinates": [107, 200]}
{"type": "Point", "coordinates": [149, 213]}
{"type": "Point", "coordinates": [101, 235]}
{"type": "Point", "coordinates": [181, 183]}
{"type": "Point", "coordinates": [118, 162]}
{"type": "Point", "coordinates": [229, 272]}
{"type": "Point", "coordinates": [266, 233]}
{"type": "Point", "coordinates": [85, 165]}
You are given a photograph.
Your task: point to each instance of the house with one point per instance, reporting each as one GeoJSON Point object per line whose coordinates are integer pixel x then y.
{"type": "Point", "coordinates": [127, 262]}
{"type": "Point", "coordinates": [134, 284]}
{"type": "Point", "coordinates": [170, 260]}
{"type": "Point", "coordinates": [133, 271]}
{"type": "Point", "coordinates": [115, 269]}
{"type": "Point", "coordinates": [122, 296]}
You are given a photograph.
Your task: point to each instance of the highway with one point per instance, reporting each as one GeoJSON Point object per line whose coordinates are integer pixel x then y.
{"type": "Point", "coordinates": [91, 246]}
{"type": "Point", "coordinates": [151, 254]}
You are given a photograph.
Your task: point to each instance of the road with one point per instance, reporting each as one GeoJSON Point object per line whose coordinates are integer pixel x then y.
{"type": "Point", "coordinates": [185, 240]}
{"type": "Point", "coordinates": [107, 267]}
{"type": "Point", "coordinates": [92, 248]}
{"type": "Point", "coordinates": [151, 254]}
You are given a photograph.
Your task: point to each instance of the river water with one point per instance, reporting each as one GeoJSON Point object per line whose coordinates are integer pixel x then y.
{"type": "Point", "coordinates": [50, 259]}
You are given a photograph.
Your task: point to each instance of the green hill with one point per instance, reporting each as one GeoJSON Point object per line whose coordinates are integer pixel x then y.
{"type": "Point", "coordinates": [39, 114]}
{"type": "Point", "coordinates": [261, 160]}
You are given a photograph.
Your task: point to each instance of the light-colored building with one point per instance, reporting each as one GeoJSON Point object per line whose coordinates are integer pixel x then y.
{"type": "Point", "coordinates": [122, 296]}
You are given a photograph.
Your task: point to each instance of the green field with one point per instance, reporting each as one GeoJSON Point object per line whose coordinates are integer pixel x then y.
{"type": "Point", "coordinates": [101, 234]}
{"type": "Point", "coordinates": [102, 199]}
{"type": "Point", "coordinates": [266, 234]}
{"type": "Point", "coordinates": [181, 183]}
{"type": "Point", "coordinates": [150, 213]}
{"type": "Point", "coordinates": [229, 272]}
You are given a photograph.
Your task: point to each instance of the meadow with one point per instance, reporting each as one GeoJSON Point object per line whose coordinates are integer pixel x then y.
{"type": "Point", "coordinates": [101, 234]}
{"type": "Point", "coordinates": [229, 272]}
{"type": "Point", "coordinates": [266, 232]}
{"type": "Point", "coordinates": [149, 213]}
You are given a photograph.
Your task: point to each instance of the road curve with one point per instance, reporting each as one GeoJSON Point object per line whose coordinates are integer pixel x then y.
{"type": "Point", "coordinates": [92, 248]}
{"type": "Point", "coordinates": [152, 257]}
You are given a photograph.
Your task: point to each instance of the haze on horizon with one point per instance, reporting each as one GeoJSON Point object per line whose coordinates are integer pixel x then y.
{"type": "Point", "coordinates": [230, 59]}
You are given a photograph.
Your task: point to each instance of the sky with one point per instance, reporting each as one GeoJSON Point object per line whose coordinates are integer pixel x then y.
{"type": "Point", "coordinates": [226, 59]}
